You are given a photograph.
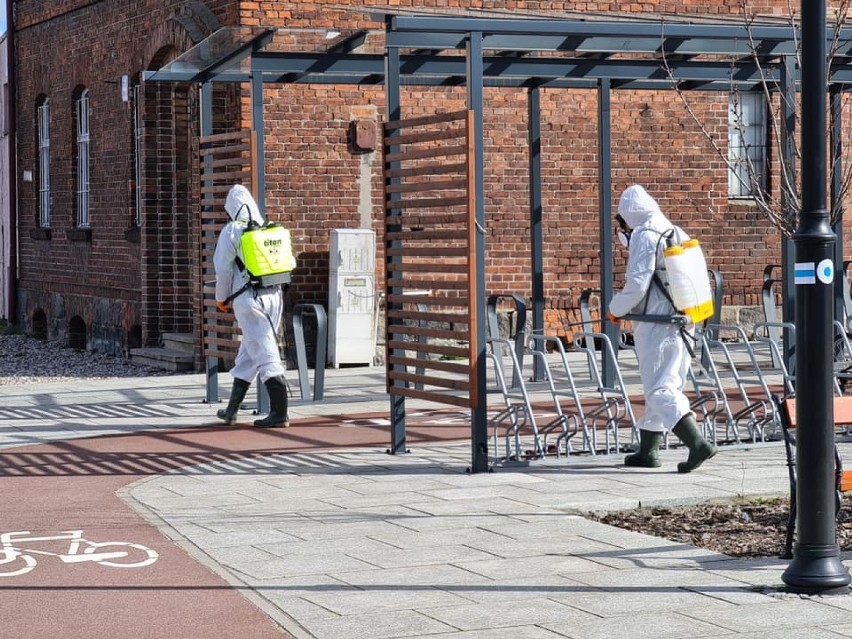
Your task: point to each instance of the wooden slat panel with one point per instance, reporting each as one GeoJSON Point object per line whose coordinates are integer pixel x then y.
{"type": "Point", "coordinates": [438, 365]}
{"type": "Point", "coordinates": [218, 138]}
{"type": "Point", "coordinates": [426, 203]}
{"type": "Point", "coordinates": [428, 169]}
{"type": "Point", "coordinates": [453, 116]}
{"type": "Point", "coordinates": [230, 176]}
{"type": "Point", "coordinates": [216, 188]}
{"type": "Point", "coordinates": [240, 147]}
{"type": "Point", "coordinates": [225, 341]}
{"type": "Point", "coordinates": [437, 267]}
{"type": "Point", "coordinates": [215, 164]}
{"type": "Point", "coordinates": [225, 159]}
{"type": "Point", "coordinates": [419, 154]}
{"type": "Point", "coordinates": [214, 336]}
{"type": "Point", "coordinates": [426, 219]}
{"type": "Point", "coordinates": [420, 187]}
{"type": "Point", "coordinates": [395, 330]}
{"type": "Point", "coordinates": [442, 382]}
{"type": "Point", "coordinates": [425, 136]}
{"type": "Point", "coordinates": [428, 251]}
{"type": "Point", "coordinates": [222, 343]}
{"type": "Point", "coordinates": [433, 349]}
{"type": "Point", "coordinates": [422, 154]}
{"type": "Point", "coordinates": [431, 300]}
{"type": "Point", "coordinates": [453, 400]}
{"type": "Point", "coordinates": [426, 316]}
{"type": "Point", "coordinates": [446, 284]}
{"type": "Point", "coordinates": [415, 236]}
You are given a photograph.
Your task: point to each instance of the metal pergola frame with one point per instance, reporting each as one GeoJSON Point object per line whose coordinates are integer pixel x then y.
{"type": "Point", "coordinates": [531, 54]}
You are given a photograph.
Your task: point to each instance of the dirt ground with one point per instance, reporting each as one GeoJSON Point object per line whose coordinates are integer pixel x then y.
{"type": "Point", "coordinates": [741, 528]}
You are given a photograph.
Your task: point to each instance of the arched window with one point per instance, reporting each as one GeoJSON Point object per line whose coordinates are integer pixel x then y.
{"type": "Point", "coordinates": [82, 121]}
{"type": "Point", "coordinates": [43, 134]}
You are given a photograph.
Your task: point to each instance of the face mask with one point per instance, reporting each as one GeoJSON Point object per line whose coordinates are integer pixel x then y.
{"type": "Point", "coordinates": [237, 214]}
{"type": "Point", "coordinates": [624, 233]}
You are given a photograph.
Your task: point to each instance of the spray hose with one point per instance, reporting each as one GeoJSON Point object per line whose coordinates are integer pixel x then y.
{"type": "Point", "coordinates": [681, 321]}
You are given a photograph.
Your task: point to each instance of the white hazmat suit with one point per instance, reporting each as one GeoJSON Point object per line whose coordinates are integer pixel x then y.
{"type": "Point", "coordinates": [258, 312]}
{"type": "Point", "coordinates": [660, 348]}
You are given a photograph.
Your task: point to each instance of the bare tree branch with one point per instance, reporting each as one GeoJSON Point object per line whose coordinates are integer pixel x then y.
{"type": "Point", "coordinates": [782, 207]}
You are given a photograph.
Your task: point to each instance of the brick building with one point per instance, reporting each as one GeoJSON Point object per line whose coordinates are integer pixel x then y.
{"type": "Point", "coordinates": [6, 224]}
{"type": "Point", "coordinates": [108, 173]}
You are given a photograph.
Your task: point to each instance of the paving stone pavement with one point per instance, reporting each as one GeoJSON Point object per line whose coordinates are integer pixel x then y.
{"type": "Point", "coordinates": [355, 543]}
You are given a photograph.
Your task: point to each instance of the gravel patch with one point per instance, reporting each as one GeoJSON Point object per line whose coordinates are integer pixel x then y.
{"type": "Point", "coordinates": [26, 360]}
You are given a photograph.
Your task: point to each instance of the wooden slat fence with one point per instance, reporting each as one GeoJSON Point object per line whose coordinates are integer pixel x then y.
{"type": "Point", "coordinates": [431, 271]}
{"type": "Point", "coordinates": [226, 159]}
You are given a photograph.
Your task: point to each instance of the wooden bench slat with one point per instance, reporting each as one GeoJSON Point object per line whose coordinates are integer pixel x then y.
{"type": "Point", "coordinates": [842, 411]}
{"type": "Point", "coordinates": [846, 481]}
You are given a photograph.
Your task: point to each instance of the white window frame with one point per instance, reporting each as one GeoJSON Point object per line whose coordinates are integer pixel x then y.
{"type": "Point", "coordinates": [83, 159]}
{"type": "Point", "coordinates": [44, 164]}
{"type": "Point", "coordinates": [747, 147]}
{"type": "Point", "coordinates": [137, 150]}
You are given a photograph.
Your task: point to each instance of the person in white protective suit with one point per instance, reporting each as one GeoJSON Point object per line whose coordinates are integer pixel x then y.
{"type": "Point", "coordinates": [660, 347]}
{"type": "Point", "coordinates": [258, 312]}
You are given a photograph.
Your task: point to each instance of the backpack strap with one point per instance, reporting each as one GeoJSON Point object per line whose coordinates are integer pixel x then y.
{"type": "Point", "coordinates": [241, 265]}
{"type": "Point", "coordinates": [242, 290]}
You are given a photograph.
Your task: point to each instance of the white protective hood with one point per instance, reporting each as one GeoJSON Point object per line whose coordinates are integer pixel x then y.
{"type": "Point", "coordinates": [241, 207]}
{"type": "Point", "coordinates": [636, 206]}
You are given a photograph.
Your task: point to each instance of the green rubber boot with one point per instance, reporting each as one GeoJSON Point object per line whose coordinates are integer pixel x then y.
{"type": "Point", "coordinates": [238, 394]}
{"type": "Point", "coordinates": [277, 418]}
{"type": "Point", "coordinates": [700, 450]}
{"type": "Point", "coordinates": [647, 457]}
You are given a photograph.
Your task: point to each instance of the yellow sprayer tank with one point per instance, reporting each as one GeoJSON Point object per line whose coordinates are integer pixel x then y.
{"type": "Point", "coordinates": [689, 283]}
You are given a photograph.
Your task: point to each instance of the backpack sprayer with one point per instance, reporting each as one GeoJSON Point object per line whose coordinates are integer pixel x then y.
{"type": "Point", "coordinates": [267, 256]}
{"type": "Point", "coordinates": [689, 283]}
{"type": "Point", "coordinates": [688, 288]}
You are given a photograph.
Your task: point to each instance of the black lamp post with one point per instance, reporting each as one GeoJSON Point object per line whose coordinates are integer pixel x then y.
{"type": "Point", "coordinates": [816, 566]}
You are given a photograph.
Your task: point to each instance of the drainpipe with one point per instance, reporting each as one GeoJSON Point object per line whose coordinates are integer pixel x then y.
{"type": "Point", "coordinates": [11, 107]}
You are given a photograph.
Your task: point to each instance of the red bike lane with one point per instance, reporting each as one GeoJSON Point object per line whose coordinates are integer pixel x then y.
{"type": "Point", "coordinates": [73, 485]}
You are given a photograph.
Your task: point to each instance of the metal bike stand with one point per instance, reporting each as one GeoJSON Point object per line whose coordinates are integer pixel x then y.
{"type": "Point", "coordinates": [718, 292]}
{"type": "Point", "coordinates": [520, 327]}
{"type": "Point", "coordinates": [299, 311]}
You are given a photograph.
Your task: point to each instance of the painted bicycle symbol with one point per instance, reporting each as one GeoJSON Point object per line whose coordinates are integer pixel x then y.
{"type": "Point", "coordinates": [17, 559]}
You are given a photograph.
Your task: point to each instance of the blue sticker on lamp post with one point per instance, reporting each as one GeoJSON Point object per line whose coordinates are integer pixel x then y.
{"type": "Point", "coordinates": [825, 271]}
{"type": "Point", "coordinates": [805, 273]}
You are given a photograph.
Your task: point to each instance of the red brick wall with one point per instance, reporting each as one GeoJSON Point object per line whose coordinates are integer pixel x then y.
{"type": "Point", "coordinates": [315, 183]}
{"type": "Point", "coordinates": [655, 142]}
{"type": "Point", "coordinates": [149, 274]}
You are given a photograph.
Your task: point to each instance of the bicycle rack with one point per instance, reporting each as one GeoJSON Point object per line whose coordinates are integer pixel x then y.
{"type": "Point", "coordinates": [588, 323]}
{"type": "Point", "coordinates": [299, 311]}
{"type": "Point", "coordinates": [520, 327]}
{"type": "Point", "coordinates": [770, 311]}
{"type": "Point", "coordinates": [585, 310]}
{"type": "Point", "coordinates": [718, 292]}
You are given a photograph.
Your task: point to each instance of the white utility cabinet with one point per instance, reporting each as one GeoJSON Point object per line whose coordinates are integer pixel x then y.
{"type": "Point", "coordinates": [352, 297]}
